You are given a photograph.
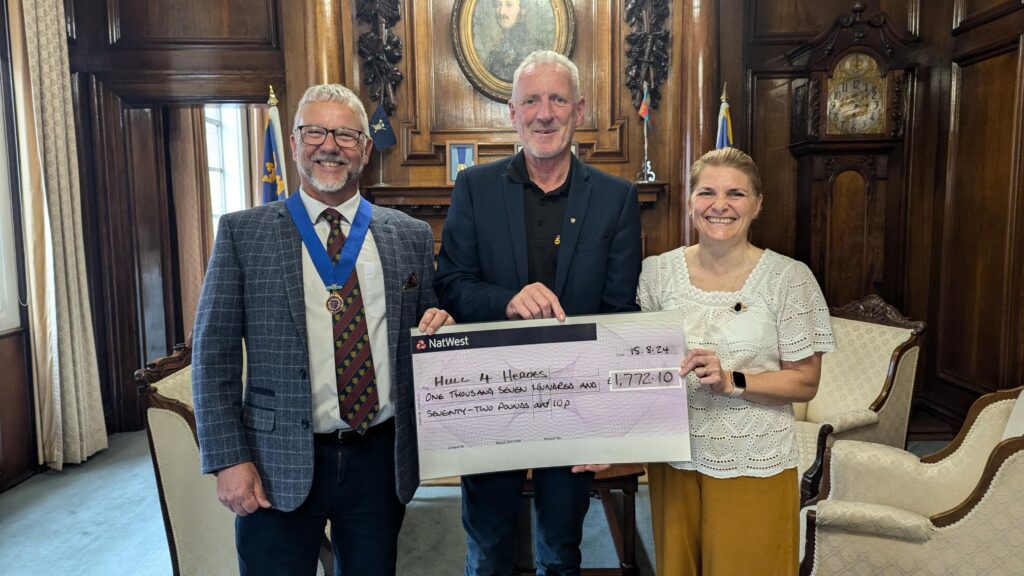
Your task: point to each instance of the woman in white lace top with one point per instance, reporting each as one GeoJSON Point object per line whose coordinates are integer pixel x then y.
{"type": "Point", "coordinates": [756, 325]}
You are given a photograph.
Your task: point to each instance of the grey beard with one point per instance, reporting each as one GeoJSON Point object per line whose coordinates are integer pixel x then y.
{"type": "Point", "coordinates": [353, 173]}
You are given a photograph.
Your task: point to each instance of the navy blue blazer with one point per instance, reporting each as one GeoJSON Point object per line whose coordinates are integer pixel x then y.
{"type": "Point", "coordinates": [483, 258]}
{"type": "Point", "coordinates": [253, 290]}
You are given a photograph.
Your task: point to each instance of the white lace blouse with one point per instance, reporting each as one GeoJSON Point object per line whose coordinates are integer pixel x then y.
{"type": "Point", "coordinates": [783, 317]}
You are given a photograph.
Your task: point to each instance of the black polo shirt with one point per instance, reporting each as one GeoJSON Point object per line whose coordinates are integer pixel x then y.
{"type": "Point", "coordinates": [543, 217]}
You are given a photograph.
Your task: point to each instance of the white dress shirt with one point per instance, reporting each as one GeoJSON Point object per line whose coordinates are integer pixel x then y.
{"type": "Point", "coordinates": [320, 322]}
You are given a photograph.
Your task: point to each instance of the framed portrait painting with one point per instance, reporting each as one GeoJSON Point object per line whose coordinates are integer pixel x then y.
{"type": "Point", "coordinates": [491, 38]}
{"type": "Point", "coordinates": [461, 155]}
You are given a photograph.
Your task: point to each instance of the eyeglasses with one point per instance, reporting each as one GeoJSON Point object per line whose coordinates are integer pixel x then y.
{"type": "Point", "coordinates": [343, 137]}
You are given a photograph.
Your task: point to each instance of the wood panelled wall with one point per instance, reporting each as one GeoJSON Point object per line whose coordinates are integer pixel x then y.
{"type": "Point", "coordinates": [956, 190]}
{"type": "Point", "coordinates": [131, 63]}
{"type": "Point", "coordinates": [957, 180]}
{"type": "Point", "coordinates": [437, 103]}
{"type": "Point", "coordinates": [978, 312]}
{"type": "Point", "coordinates": [17, 433]}
{"type": "Point", "coordinates": [134, 63]}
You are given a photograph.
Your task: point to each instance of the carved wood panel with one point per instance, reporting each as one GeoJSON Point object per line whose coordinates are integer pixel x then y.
{"type": "Point", "coordinates": [192, 23]}
{"type": "Point", "coordinates": [17, 436]}
{"type": "Point", "coordinates": [969, 14]}
{"type": "Point", "coordinates": [844, 230]}
{"type": "Point", "coordinates": [770, 147]}
{"type": "Point", "coordinates": [215, 46]}
{"type": "Point", "coordinates": [848, 236]}
{"type": "Point", "coordinates": [151, 208]}
{"type": "Point", "coordinates": [982, 234]}
{"type": "Point", "coordinates": [69, 20]}
{"type": "Point", "coordinates": [108, 198]}
{"type": "Point", "coordinates": [794, 21]}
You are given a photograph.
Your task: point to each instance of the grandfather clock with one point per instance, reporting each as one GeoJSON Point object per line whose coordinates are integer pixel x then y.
{"type": "Point", "coordinates": [848, 138]}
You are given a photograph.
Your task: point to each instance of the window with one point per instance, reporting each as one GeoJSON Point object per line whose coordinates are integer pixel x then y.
{"type": "Point", "coordinates": [226, 158]}
{"type": "Point", "coordinates": [10, 315]}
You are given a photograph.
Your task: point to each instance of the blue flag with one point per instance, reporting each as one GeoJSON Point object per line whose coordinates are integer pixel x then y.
{"type": "Point", "coordinates": [380, 130]}
{"type": "Point", "coordinates": [724, 139]}
{"type": "Point", "coordinates": [273, 181]}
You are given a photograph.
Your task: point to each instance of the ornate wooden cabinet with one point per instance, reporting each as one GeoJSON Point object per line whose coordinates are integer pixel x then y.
{"type": "Point", "coordinates": [848, 137]}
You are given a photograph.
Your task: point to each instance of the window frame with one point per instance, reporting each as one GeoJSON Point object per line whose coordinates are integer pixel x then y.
{"type": "Point", "coordinates": [10, 195]}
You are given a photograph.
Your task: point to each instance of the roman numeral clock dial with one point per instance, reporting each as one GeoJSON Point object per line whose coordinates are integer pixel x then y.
{"type": "Point", "coordinates": [856, 97]}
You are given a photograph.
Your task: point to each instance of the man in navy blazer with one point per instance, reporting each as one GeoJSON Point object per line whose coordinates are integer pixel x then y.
{"type": "Point", "coordinates": [538, 235]}
{"type": "Point", "coordinates": [323, 289]}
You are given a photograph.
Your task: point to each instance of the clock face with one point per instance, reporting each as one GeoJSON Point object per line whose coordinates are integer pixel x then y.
{"type": "Point", "coordinates": [856, 97]}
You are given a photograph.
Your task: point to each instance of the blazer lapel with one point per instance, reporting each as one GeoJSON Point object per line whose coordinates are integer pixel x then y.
{"type": "Point", "coordinates": [290, 250]}
{"type": "Point", "coordinates": [575, 212]}
{"type": "Point", "coordinates": [386, 239]}
{"type": "Point", "coordinates": [515, 213]}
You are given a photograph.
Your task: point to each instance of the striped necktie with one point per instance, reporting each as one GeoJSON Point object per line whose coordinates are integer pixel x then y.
{"type": "Point", "coordinates": [357, 386]}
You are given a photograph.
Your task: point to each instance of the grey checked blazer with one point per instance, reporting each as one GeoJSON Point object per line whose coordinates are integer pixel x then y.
{"type": "Point", "coordinates": [253, 290]}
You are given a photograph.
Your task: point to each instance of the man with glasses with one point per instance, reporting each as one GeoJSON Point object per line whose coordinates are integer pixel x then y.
{"type": "Point", "coordinates": [323, 288]}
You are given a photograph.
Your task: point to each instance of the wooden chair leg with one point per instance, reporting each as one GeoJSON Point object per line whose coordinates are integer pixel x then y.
{"type": "Point", "coordinates": [622, 526]}
{"type": "Point", "coordinates": [629, 530]}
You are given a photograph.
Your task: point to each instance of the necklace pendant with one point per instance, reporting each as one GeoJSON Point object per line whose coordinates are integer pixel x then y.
{"type": "Point", "coordinates": [335, 303]}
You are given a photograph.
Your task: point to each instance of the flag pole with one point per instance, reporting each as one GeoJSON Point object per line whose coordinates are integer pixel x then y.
{"type": "Point", "coordinates": [646, 174]}
{"type": "Point", "coordinates": [383, 139]}
{"type": "Point", "coordinates": [275, 119]}
{"type": "Point", "coordinates": [380, 175]}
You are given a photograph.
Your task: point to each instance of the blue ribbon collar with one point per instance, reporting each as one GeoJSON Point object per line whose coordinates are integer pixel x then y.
{"type": "Point", "coordinates": [334, 275]}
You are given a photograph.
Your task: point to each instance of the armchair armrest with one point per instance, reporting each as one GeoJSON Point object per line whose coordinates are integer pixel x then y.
{"type": "Point", "coordinates": [850, 420]}
{"type": "Point", "coordinates": [1006, 453]}
{"type": "Point", "coordinates": [873, 520]}
{"type": "Point", "coordinates": [879, 474]}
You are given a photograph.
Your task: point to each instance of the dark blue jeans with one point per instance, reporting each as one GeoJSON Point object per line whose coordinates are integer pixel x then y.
{"type": "Point", "coordinates": [490, 515]}
{"type": "Point", "coordinates": [354, 487]}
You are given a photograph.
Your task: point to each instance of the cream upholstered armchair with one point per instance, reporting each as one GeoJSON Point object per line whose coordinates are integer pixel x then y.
{"type": "Point", "coordinates": [865, 388]}
{"type": "Point", "coordinates": [959, 511]}
{"type": "Point", "coordinates": [200, 530]}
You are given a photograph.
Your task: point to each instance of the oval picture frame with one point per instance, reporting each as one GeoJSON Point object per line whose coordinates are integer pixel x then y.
{"type": "Point", "coordinates": [489, 45]}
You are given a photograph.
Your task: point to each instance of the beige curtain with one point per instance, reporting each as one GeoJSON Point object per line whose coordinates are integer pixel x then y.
{"type": "Point", "coordinates": [190, 185]}
{"type": "Point", "coordinates": [257, 116]}
{"type": "Point", "coordinates": [69, 410]}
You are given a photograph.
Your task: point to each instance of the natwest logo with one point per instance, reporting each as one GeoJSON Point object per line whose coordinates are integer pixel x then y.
{"type": "Point", "coordinates": [421, 345]}
{"type": "Point", "coordinates": [440, 343]}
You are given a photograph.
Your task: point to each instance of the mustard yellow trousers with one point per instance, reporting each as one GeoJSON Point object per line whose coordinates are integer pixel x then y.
{"type": "Point", "coordinates": [724, 527]}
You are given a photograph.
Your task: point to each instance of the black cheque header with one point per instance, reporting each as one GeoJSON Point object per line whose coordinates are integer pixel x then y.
{"type": "Point", "coordinates": [507, 337]}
